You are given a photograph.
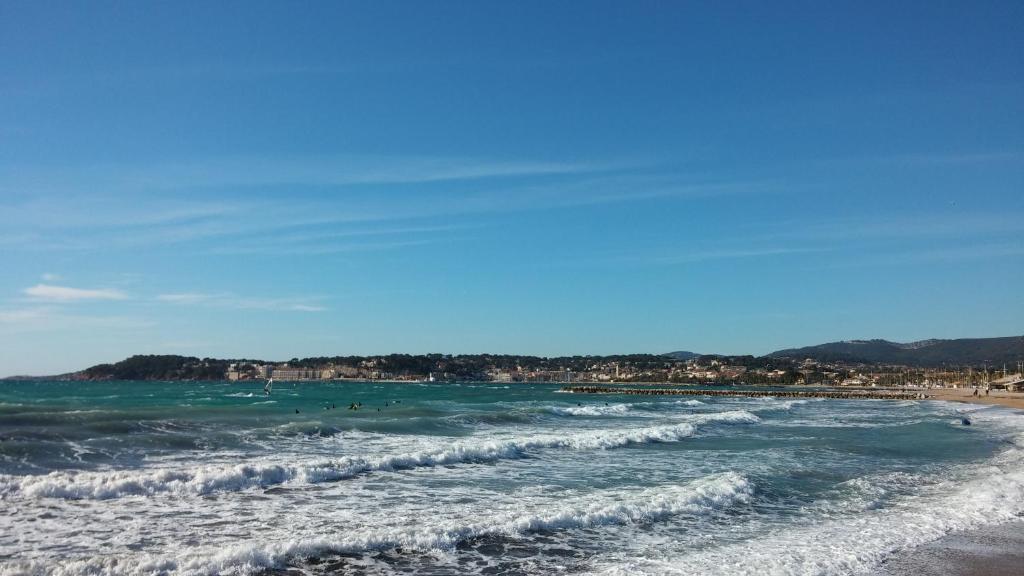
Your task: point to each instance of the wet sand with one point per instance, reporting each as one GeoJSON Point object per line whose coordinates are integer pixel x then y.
{"type": "Point", "coordinates": [990, 551]}
{"type": "Point", "coordinates": [1002, 398]}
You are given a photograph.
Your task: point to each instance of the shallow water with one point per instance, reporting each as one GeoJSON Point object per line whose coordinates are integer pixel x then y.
{"type": "Point", "coordinates": [214, 478]}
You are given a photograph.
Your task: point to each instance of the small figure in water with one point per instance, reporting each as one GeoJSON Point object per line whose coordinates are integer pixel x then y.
{"type": "Point", "coordinates": [296, 410]}
{"type": "Point", "coordinates": [965, 421]}
{"type": "Point", "coordinates": [333, 406]}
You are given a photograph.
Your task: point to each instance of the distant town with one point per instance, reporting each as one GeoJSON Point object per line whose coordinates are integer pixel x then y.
{"type": "Point", "coordinates": [639, 369]}
{"type": "Point", "coordinates": [990, 362]}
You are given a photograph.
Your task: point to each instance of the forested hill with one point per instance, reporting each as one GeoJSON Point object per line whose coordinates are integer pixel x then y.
{"type": "Point", "coordinates": [158, 367]}
{"type": "Point", "coordinates": [926, 353]}
{"type": "Point", "coordinates": [171, 367]}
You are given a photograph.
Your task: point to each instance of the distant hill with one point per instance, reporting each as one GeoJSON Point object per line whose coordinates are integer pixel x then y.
{"type": "Point", "coordinates": [682, 355]}
{"type": "Point", "coordinates": [924, 353]}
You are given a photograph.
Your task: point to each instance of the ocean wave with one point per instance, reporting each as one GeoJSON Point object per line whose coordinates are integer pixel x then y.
{"type": "Point", "coordinates": [857, 543]}
{"type": "Point", "coordinates": [728, 417]}
{"type": "Point", "coordinates": [208, 479]}
{"type": "Point", "coordinates": [633, 506]}
{"type": "Point", "coordinates": [591, 410]}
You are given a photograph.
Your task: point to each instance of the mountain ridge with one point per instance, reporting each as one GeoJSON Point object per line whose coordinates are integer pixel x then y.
{"type": "Point", "coordinates": [922, 353]}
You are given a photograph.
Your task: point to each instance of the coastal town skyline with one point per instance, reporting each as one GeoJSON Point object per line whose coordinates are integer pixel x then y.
{"type": "Point", "coordinates": [276, 182]}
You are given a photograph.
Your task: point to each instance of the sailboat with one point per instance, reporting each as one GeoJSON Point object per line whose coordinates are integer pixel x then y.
{"type": "Point", "coordinates": [269, 386]}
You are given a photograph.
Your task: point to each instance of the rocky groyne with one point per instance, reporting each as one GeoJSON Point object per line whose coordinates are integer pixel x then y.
{"type": "Point", "coordinates": [838, 394]}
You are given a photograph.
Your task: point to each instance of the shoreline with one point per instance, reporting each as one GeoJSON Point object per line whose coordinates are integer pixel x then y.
{"type": "Point", "coordinates": [995, 398]}
{"type": "Point", "coordinates": [996, 550]}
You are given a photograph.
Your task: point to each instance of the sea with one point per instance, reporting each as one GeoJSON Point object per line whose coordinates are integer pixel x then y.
{"type": "Point", "coordinates": [321, 478]}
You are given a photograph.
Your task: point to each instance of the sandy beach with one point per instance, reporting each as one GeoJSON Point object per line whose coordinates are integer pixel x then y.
{"type": "Point", "coordinates": [990, 551]}
{"type": "Point", "coordinates": [1002, 398]}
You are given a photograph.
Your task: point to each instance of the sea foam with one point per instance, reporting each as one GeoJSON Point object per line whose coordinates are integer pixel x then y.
{"type": "Point", "coordinates": [592, 410]}
{"type": "Point", "coordinates": [622, 506]}
{"type": "Point", "coordinates": [207, 479]}
{"type": "Point", "coordinates": [990, 493]}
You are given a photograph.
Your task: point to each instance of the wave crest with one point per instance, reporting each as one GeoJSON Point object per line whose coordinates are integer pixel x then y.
{"type": "Point", "coordinates": [207, 479]}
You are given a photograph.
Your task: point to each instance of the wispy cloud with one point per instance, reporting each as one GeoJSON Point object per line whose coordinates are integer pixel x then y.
{"type": "Point", "coordinates": [959, 253]}
{"type": "Point", "coordinates": [259, 171]}
{"type": "Point", "coordinates": [954, 158]}
{"type": "Point", "coordinates": [329, 240]}
{"type": "Point", "coordinates": [50, 277]}
{"type": "Point", "coordinates": [951, 224]}
{"type": "Point", "coordinates": [50, 293]}
{"type": "Point", "coordinates": [305, 219]}
{"type": "Point", "coordinates": [730, 254]}
{"type": "Point", "coordinates": [56, 319]}
{"type": "Point", "coordinates": [228, 300]}
{"type": "Point", "coordinates": [24, 315]}
{"type": "Point", "coordinates": [700, 255]}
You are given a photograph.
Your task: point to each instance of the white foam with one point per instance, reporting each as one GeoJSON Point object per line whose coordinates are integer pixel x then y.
{"type": "Point", "coordinates": [728, 417]}
{"type": "Point", "coordinates": [621, 506]}
{"type": "Point", "coordinates": [207, 479]}
{"type": "Point", "coordinates": [858, 543]}
{"type": "Point", "coordinates": [592, 410]}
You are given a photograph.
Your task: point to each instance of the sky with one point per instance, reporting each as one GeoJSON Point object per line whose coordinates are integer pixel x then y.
{"type": "Point", "coordinates": [276, 179]}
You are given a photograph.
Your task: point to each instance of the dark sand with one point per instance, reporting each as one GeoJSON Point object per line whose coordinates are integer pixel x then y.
{"type": "Point", "coordinates": [989, 551]}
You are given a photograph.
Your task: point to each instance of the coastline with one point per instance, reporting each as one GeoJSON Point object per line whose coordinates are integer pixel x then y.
{"type": "Point", "coordinates": [996, 397]}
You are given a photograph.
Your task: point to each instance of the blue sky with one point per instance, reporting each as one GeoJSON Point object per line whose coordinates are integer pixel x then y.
{"type": "Point", "coordinates": [293, 179]}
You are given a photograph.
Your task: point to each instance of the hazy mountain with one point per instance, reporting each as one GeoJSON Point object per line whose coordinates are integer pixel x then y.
{"type": "Point", "coordinates": [930, 353]}
{"type": "Point", "coordinates": [682, 355]}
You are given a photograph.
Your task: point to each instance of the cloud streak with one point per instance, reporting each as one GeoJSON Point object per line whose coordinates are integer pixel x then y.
{"type": "Point", "coordinates": [51, 293]}
{"type": "Point", "coordinates": [228, 300]}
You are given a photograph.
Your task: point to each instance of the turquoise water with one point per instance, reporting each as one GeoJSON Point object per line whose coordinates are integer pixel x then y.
{"type": "Point", "coordinates": [214, 478]}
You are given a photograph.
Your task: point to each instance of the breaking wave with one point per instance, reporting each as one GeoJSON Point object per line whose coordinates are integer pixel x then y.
{"type": "Point", "coordinates": [611, 410]}
{"type": "Point", "coordinates": [857, 543]}
{"type": "Point", "coordinates": [207, 479]}
{"type": "Point", "coordinates": [622, 506]}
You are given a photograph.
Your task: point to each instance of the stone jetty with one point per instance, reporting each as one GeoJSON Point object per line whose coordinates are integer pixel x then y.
{"type": "Point", "coordinates": [840, 394]}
